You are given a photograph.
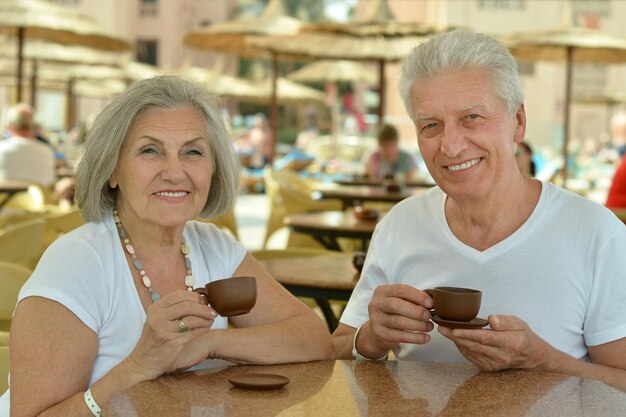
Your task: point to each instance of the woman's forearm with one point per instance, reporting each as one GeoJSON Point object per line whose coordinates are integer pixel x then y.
{"type": "Point", "coordinates": [295, 339]}
{"type": "Point", "coordinates": [118, 379]}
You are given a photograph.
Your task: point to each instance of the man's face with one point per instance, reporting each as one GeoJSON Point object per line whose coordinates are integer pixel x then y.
{"type": "Point", "coordinates": [465, 133]}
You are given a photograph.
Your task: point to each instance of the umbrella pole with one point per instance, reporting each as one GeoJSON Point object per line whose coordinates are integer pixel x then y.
{"type": "Point", "coordinates": [69, 105]}
{"type": "Point", "coordinates": [274, 108]}
{"type": "Point", "coordinates": [381, 91]}
{"type": "Point", "coordinates": [20, 61]}
{"type": "Point", "coordinates": [33, 85]}
{"type": "Point", "coordinates": [566, 110]}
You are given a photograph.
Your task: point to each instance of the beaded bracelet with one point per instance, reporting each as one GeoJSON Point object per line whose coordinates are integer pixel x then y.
{"type": "Point", "coordinates": [92, 404]}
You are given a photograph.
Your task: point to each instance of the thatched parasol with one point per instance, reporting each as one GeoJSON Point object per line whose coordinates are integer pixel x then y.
{"type": "Point", "coordinates": [328, 71]}
{"type": "Point", "coordinates": [571, 45]}
{"type": "Point", "coordinates": [257, 92]}
{"type": "Point", "coordinates": [376, 36]}
{"type": "Point", "coordinates": [38, 19]}
{"type": "Point", "coordinates": [232, 37]}
{"type": "Point", "coordinates": [222, 84]}
{"type": "Point", "coordinates": [37, 52]}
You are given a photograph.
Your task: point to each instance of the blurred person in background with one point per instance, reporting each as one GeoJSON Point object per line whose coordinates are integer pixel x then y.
{"type": "Point", "coordinates": [260, 141]}
{"type": "Point", "coordinates": [524, 159]}
{"type": "Point", "coordinates": [22, 156]}
{"type": "Point", "coordinates": [389, 161]}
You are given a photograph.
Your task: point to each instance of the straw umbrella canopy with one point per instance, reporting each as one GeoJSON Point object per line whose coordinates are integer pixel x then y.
{"type": "Point", "coordinates": [256, 92]}
{"type": "Point", "coordinates": [376, 36]}
{"type": "Point", "coordinates": [232, 37]}
{"type": "Point", "coordinates": [290, 92]}
{"type": "Point", "coordinates": [42, 51]}
{"type": "Point", "coordinates": [331, 72]}
{"type": "Point", "coordinates": [80, 79]}
{"type": "Point", "coordinates": [571, 45]}
{"type": "Point", "coordinates": [222, 84]}
{"type": "Point", "coordinates": [38, 19]}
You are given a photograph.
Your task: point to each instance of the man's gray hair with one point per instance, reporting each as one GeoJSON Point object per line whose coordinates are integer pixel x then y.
{"type": "Point", "coordinates": [463, 50]}
{"type": "Point", "coordinates": [103, 143]}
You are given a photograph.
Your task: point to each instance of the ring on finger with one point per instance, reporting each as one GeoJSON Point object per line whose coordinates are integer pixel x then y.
{"type": "Point", "coordinates": [182, 326]}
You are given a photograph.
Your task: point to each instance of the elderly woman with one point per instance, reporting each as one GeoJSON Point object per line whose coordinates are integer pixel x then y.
{"type": "Point", "coordinates": [109, 304]}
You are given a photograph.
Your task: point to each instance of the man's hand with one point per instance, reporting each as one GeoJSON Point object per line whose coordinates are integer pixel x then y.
{"type": "Point", "coordinates": [509, 344]}
{"type": "Point", "coordinates": [398, 314]}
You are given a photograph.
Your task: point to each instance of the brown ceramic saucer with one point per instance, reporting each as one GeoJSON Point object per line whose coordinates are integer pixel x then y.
{"type": "Point", "coordinates": [477, 323]}
{"type": "Point", "coordinates": [259, 381]}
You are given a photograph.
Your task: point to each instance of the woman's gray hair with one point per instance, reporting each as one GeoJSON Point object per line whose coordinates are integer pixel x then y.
{"type": "Point", "coordinates": [103, 143]}
{"type": "Point", "coordinates": [463, 50]}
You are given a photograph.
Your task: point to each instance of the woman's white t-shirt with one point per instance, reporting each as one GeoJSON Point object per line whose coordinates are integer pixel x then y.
{"type": "Point", "coordinates": [87, 272]}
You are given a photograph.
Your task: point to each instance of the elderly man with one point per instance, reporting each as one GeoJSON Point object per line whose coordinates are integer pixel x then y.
{"type": "Point", "coordinates": [22, 156]}
{"type": "Point", "coordinates": [551, 264]}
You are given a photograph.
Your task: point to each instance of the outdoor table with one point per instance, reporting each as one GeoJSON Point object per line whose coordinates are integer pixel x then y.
{"type": "Point", "coordinates": [9, 188]}
{"type": "Point", "coordinates": [353, 195]}
{"type": "Point", "coordinates": [327, 226]}
{"type": "Point", "coordinates": [388, 388]}
{"type": "Point", "coordinates": [322, 278]}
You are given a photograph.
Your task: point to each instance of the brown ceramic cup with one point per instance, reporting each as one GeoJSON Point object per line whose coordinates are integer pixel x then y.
{"type": "Point", "coordinates": [454, 303]}
{"type": "Point", "coordinates": [230, 296]}
{"type": "Point", "coordinates": [363, 213]}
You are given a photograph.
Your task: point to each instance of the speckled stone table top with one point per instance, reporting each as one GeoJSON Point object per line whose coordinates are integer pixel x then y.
{"type": "Point", "coordinates": [349, 388]}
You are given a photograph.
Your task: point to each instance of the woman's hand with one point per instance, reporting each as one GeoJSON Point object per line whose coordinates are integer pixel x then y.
{"type": "Point", "coordinates": [171, 323]}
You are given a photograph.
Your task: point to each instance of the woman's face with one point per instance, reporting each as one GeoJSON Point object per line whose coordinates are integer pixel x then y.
{"type": "Point", "coordinates": [164, 169]}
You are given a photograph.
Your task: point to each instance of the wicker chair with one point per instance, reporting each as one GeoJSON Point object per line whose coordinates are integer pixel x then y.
{"type": "Point", "coordinates": [289, 193]}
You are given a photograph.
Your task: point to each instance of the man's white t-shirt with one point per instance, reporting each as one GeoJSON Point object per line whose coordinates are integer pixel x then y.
{"type": "Point", "coordinates": [87, 272]}
{"type": "Point", "coordinates": [563, 271]}
{"type": "Point", "coordinates": [26, 159]}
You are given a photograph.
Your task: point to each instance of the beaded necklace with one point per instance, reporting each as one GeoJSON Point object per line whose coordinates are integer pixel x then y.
{"type": "Point", "coordinates": [184, 249]}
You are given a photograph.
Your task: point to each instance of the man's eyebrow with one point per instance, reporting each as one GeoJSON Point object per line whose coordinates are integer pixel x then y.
{"type": "Point", "coordinates": [470, 106]}
{"type": "Point", "coordinates": [461, 110]}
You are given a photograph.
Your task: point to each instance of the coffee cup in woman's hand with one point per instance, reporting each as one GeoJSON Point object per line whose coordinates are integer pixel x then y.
{"type": "Point", "coordinates": [231, 296]}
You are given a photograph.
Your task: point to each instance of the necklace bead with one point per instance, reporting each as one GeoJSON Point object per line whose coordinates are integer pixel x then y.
{"type": "Point", "coordinates": [184, 249]}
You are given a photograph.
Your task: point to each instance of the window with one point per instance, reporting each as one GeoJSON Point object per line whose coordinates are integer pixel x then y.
{"type": "Point", "coordinates": [147, 51]}
{"type": "Point", "coordinates": [148, 8]}
{"type": "Point", "coordinates": [501, 4]}
{"type": "Point", "coordinates": [66, 2]}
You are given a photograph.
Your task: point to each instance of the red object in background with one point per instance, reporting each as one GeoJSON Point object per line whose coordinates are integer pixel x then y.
{"type": "Point", "coordinates": [617, 193]}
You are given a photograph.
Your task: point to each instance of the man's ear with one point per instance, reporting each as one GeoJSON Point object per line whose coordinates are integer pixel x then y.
{"type": "Point", "coordinates": [520, 128]}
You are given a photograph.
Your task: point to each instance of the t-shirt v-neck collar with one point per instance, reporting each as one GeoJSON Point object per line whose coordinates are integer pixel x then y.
{"type": "Point", "coordinates": [501, 247]}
